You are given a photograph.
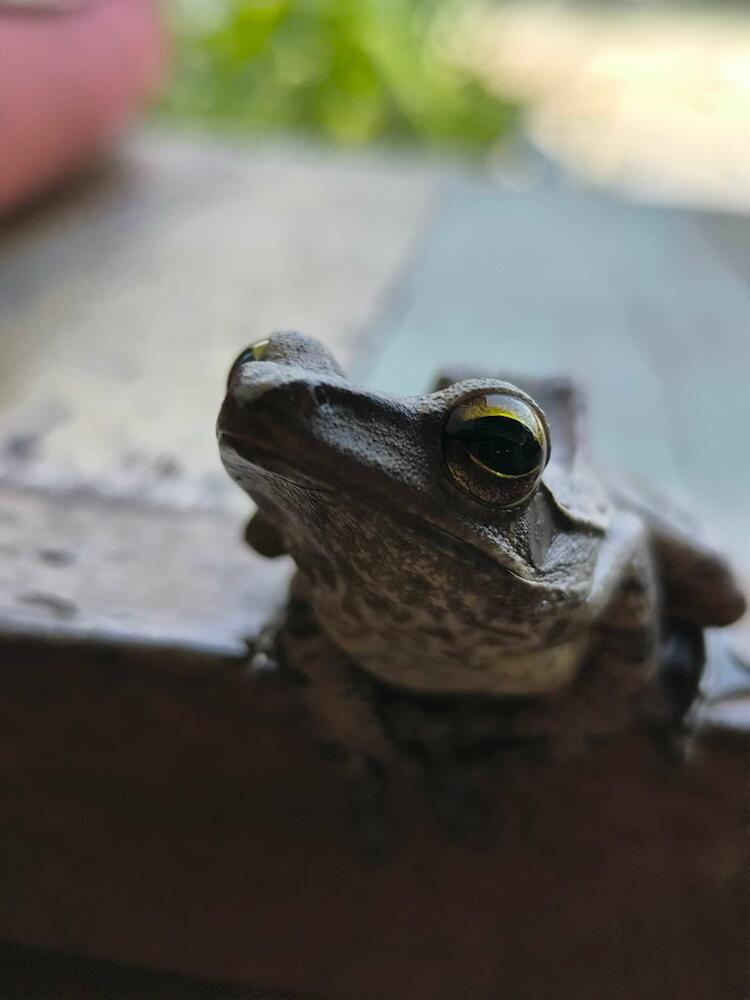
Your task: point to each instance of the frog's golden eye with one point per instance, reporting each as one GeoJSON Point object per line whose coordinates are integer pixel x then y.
{"type": "Point", "coordinates": [496, 447]}
{"type": "Point", "coordinates": [255, 352]}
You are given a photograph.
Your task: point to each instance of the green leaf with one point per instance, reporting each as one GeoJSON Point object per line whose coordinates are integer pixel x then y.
{"type": "Point", "coordinates": [350, 71]}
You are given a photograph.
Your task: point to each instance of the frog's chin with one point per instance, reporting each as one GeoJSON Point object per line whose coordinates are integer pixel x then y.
{"type": "Point", "coordinates": [249, 463]}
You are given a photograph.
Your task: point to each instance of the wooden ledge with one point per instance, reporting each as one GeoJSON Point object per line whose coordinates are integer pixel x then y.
{"type": "Point", "coordinates": [78, 566]}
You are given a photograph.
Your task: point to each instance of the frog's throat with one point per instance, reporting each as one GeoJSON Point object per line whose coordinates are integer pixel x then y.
{"type": "Point", "coordinates": [502, 673]}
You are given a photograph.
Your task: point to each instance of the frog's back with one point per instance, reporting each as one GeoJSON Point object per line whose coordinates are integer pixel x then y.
{"type": "Point", "coordinates": [698, 584]}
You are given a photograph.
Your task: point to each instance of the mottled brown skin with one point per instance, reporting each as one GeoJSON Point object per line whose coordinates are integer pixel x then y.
{"type": "Point", "coordinates": [429, 623]}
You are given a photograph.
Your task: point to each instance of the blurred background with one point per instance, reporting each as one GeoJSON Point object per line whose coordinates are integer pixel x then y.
{"type": "Point", "coordinates": [521, 187]}
{"type": "Point", "coordinates": [650, 97]}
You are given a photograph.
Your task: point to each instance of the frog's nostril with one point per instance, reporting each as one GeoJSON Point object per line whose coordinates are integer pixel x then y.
{"type": "Point", "coordinates": [304, 398]}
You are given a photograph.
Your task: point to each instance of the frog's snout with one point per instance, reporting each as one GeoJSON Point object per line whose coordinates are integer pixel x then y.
{"type": "Point", "coordinates": [281, 379]}
{"type": "Point", "coordinates": [275, 379]}
{"type": "Point", "coordinates": [267, 399]}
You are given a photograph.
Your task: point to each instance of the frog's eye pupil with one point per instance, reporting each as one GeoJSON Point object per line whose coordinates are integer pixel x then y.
{"type": "Point", "coordinates": [502, 444]}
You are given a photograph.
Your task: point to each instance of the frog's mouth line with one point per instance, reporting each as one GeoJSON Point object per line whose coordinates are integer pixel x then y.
{"type": "Point", "coordinates": [250, 453]}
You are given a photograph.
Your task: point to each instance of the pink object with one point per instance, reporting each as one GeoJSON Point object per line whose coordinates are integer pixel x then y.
{"type": "Point", "coordinates": [71, 74]}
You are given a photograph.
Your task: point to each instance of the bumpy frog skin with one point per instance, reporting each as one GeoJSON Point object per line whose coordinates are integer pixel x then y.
{"type": "Point", "coordinates": [460, 587]}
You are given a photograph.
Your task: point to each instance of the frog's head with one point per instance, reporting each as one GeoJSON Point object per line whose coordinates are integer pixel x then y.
{"type": "Point", "coordinates": [436, 495]}
{"type": "Point", "coordinates": [466, 459]}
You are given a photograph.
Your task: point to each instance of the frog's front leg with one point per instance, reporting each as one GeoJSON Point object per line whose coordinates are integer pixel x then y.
{"type": "Point", "coordinates": [339, 698]}
{"type": "Point", "coordinates": [342, 714]}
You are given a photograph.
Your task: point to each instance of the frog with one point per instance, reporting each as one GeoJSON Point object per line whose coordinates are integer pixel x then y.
{"type": "Point", "coordinates": [469, 582]}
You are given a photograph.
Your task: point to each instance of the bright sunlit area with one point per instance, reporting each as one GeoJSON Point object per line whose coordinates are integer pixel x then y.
{"type": "Point", "coordinates": [651, 98]}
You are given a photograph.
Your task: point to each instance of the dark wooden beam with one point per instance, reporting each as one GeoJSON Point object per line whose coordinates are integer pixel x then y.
{"type": "Point", "coordinates": [184, 820]}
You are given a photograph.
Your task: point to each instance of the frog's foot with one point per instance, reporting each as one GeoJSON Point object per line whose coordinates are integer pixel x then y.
{"type": "Point", "coordinates": [343, 716]}
{"type": "Point", "coordinates": [673, 690]}
{"type": "Point", "coordinates": [341, 705]}
{"type": "Point", "coordinates": [681, 661]}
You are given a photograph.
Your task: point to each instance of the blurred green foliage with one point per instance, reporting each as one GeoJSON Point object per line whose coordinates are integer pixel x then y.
{"type": "Point", "coordinates": [350, 71]}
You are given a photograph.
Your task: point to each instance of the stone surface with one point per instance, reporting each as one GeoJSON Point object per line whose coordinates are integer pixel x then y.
{"type": "Point", "coordinates": [77, 567]}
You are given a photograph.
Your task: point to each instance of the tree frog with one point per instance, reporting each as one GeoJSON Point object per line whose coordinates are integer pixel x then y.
{"type": "Point", "coordinates": [467, 579]}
